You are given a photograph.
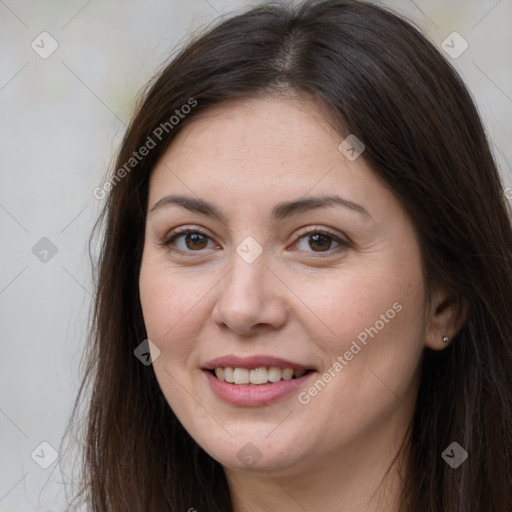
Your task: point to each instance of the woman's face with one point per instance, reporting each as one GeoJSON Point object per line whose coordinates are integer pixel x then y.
{"type": "Point", "coordinates": [253, 287]}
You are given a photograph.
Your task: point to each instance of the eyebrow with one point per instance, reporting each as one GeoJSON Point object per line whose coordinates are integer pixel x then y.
{"type": "Point", "coordinates": [279, 212]}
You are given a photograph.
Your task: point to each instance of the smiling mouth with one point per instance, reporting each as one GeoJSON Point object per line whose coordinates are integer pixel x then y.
{"type": "Point", "coordinates": [257, 376]}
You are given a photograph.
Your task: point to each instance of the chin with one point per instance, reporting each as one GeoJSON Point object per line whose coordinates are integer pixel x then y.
{"type": "Point", "coordinates": [257, 453]}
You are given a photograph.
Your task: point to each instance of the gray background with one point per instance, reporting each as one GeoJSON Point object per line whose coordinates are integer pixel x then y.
{"type": "Point", "coordinates": [62, 118]}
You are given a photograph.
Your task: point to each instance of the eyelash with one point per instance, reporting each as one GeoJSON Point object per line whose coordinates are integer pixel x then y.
{"type": "Point", "coordinates": [343, 244]}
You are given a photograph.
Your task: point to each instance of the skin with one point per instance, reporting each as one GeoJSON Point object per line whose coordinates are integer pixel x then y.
{"type": "Point", "coordinates": [297, 301]}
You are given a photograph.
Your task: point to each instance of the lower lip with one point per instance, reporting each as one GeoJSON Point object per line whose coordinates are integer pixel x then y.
{"type": "Point", "coordinates": [252, 395]}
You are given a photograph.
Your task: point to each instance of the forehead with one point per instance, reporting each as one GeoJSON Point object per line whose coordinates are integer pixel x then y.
{"type": "Point", "coordinates": [265, 129]}
{"type": "Point", "coordinates": [245, 162]}
{"type": "Point", "coordinates": [248, 158]}
{"type": "Point", "coordinates": [256, 142]}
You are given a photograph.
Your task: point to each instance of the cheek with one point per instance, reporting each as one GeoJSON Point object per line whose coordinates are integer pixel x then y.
{"type": "Point", "coordinates": [370, 321]}
{"type": "Point", "coordinates": [172, 302]}
{"type": "Point", "coordinates": [350, 304]}
{"type": "Point", "coordinates": [371, 317]}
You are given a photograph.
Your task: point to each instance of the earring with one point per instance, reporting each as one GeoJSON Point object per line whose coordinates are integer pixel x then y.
{"type": "Point", "coordinates": [446, 339]}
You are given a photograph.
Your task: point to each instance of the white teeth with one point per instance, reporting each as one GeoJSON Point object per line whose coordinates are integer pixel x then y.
{"type": "Point", "coordinates": [240, 376]}
{"type": "Point", "coordinates": [287, 374]}
{"type": "Point", "coordinates": [228, 374]}
{"type": "Point", "coordinates": [259, 375]}
{"type": "Point", "coordinates": [274, 374]}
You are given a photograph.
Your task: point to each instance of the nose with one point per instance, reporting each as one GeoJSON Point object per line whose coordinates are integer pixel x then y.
{"type": "Point", "coordinates": [250, 299]}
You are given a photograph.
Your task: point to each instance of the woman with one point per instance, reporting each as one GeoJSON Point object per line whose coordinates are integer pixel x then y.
{"type": "Point", "coordinates": [303, 298]}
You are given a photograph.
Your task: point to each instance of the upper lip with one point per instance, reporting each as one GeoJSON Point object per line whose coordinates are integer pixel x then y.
{"type": "Point", "coordinates": [252, 362]}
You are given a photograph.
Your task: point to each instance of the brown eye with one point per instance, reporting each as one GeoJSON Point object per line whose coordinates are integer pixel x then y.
{"type": "Point", "coordinates": [321, 242]}
{"type": "Point", "coordinates": [194, 241]}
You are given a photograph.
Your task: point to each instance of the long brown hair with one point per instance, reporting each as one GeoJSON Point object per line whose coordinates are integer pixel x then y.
{"type": "Point", "coordinates": [384, 82]}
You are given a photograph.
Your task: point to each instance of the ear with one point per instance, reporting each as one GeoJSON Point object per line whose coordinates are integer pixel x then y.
{"type": "Point", "coordinates": [446, 317]}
